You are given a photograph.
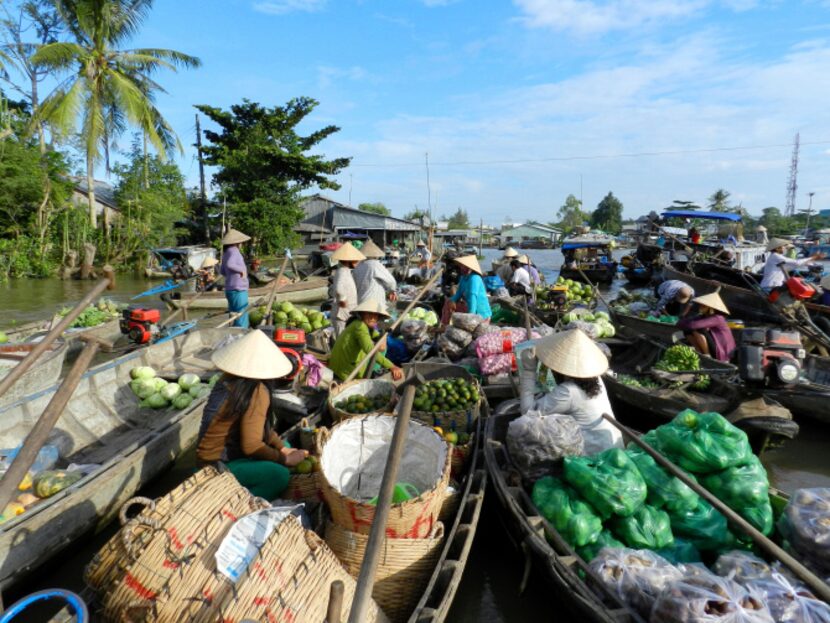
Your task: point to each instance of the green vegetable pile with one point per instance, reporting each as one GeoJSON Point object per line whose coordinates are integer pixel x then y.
{"type": "Point", "coordinates": [358, 403]}
{"type": "Point", "coordinates": [634, 381]}
{"type": "Point", "coordinates": [683, 358]}
{"type": "Point", "coordinates": [576, 291]}
{"type": "Point", "coordinates": [665, 319]}
{"type": "Point", "coordinates": [446, 395]}
{"type": "Point", "coordinates": [104, 311]}
{"type": "Point", "coordinates": [287, 316]}
{"type": "Point", "coordinates": [429, 317]}
{"type": "Point", "coordinates": [156, 393]}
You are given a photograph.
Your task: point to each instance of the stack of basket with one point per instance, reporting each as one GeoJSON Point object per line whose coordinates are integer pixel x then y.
{"type": "Point", "coordinates": [162, 565]}
{"type": "Point", "coordinates": [365, 387]}
{"type": "Point", "coordinates": [353, 463]}
{"type": "Point", "coordinates": [305, 487]}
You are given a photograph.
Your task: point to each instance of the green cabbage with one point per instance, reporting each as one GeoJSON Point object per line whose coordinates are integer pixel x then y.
{"type": "Point", "coordinates": [142, 372]}
{"type": "Point", "coordinates": [214, 378]}
{"type": "Point", "coordinates": [157, 401]}
{"type": "Point", "coordinates": [188, 380]}
{"type": "Point", "coordinates": [200, 390]}
{"type": "Point", "coordinates": [170, 391]}
{"type": "Point", "coordinates": [182, 401]}
{"type": "Point", "coordinates": [143, 388]}
{"type": "Point", "coordinates": [160, 383]}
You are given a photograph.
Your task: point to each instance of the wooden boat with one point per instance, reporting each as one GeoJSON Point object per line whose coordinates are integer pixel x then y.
{"type": "Point", "coordinates": [102, 424]}
{"type": "Point", "coordinates": [180, 260]}
{"type": "Point", "coordinates": [109, 331]}
{"type": "Point", "coordinates": [45, 372]}
{"type": "Point", "coordinates": [582, 260]}
{"type": "Point", "coordinates": [308, 291]}
{"type": "Point", "coordinates": [809, 398]}
{"type": "Point", "coordinates": [633, 326]}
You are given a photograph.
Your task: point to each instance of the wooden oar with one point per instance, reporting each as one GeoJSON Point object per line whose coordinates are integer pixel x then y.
{"type": "Point", "coordinates": [46, 422]}
{"type": "Point", "coordinates": [371, 354]}
{"type": "Point", "coordinates": [183, 309]}
{"type": "Point", "coordinates": [815, 584]}
{"type": "Point", "coordinates": [57, 330]}
{"type": "Point", "coordinates": [269, 317]}
{"type": "Point", "coordinates": [595, 288]}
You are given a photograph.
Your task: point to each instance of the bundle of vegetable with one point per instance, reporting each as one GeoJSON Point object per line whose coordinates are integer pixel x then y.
{"type": "Point", "coordinates": [608, 480]}
{"type": "Point", "coordinates": [596, 325]}
{"type": "Point", "coordinates": [287, 316]}
{"type": "Point", "coordinates": [571, 516]}
{"type": "Point", "coordinates": [104, 311]}
{"type": "Point", "coordinates": [357, 403]}
{"type": "Point", "coordinates": [446, 395]}
{"type": "Point", "coordinates": [683, 358]}
{"type": "Point", "coordinates": [635, 381]}
{"type": "Point", "coordinates": [429, 317]}
{"type": "Point", "coordinates": [156, 393]}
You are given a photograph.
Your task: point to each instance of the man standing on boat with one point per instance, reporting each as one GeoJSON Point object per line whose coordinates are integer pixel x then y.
{"type": "Point", "coordinates": [235, 272]}
{"type": "Point", "coordinates": [343, 290]}
{"type": "Point", "coordinates": [424, 254]}
{"type": "Point", "coordinates": [373, 280]}
{"type": "Point", "coordinates": [777, 263]}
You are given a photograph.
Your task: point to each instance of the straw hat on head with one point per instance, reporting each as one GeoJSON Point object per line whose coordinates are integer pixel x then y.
{"type": "Point", "coordinates": [510, 252]}
{"type": "Point", "coordinates": [253, 356]}
{"type": "Point", "coordinates": [234, 236]}
{"type": "Point", "coordinates": [712, 300]}
{"type": "Point", "coordinates": [420, 243]}
{"type": "Point", "coordinates": [470, 261]}
{"type": "Point", "coordinates": [396, 255]}
{"type": "Point", "coordinates": [778, 242]}
{"type": "Point", "coordinates": [573, 354]}
{"type": "Point", "coordinates": [371, 250]}
{"type": "Point", "coordinates": [347, 253]}
{"type": "Point", "coordinates": [209, 262]}
{"type": "Point", "coordinates": [523, 259]}
{"type": "Point", "coordinates": [371, 306]}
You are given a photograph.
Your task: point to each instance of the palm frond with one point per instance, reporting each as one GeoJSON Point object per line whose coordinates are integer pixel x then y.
{"type": "Point", "coordinates": [59, 56]}
{"type": "Point", "coordinates": [173, 57]}
{"type": "Point", "coordinates": [63, 105]}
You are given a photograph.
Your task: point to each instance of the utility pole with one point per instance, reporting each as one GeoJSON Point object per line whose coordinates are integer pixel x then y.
{"type": "Point", "coordinates": [792, 184]}
{"type": "Point", "coordinates": [202, 196]}
{"type": "Point", "coordinates": [480, 237]}
{"type": "Point", "coordinates": [809, 211]}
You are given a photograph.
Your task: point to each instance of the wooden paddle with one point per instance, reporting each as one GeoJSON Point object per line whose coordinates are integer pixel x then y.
{"type": "Point", "coordinates": [269, 318]}
{"type": "Point", "coordinates": [815, 584]}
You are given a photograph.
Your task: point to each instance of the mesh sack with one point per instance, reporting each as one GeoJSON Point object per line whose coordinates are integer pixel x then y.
{"type": "Point", "coordinates": [450, 348]}
{"type": "Point", "coordinates": [466, 322]}
{"type": "Point", "coordinates": [459, 336]}
{"type": "Point", "coordinates": [707, 598]}
{"type": "Point", "coordinates": [538, 442]}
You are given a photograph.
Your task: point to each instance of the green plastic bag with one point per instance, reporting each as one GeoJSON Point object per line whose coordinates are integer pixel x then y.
{"type": "Point", "coordinates": [759, 516]}
{"type": "Point", "coordinates": [609, 480]}
{"type": "Point", "coordinates": [647, 528]}
{"type": "Point", "coordinates": [606, 539]}
{"type": "Point", "coordinates": [703, 442]}
{"type": "Point", "coordinates": [740, 486]}
{"type": "Point", "coordinates": [703, 527]}
{"type": "Point", "coordinates": [681, 551]}
{"type": "Point", "coordinates": [572, 518]}
{"type": "Point", "coordinates": [664, 490]}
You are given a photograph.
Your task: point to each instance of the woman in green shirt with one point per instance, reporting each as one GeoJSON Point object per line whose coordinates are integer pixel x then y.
{"type": "Point", "coordinates": [356, 340]}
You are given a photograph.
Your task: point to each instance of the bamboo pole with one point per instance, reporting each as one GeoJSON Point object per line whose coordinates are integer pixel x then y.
{"type": "Point", "coordinates": [335, 607]}
{"type": "Point", "coordinates": [821, 589]}
{"type": "Point", "coordinates": [20, 369]}
{"type": "Point", "coordinates": [269, 318]}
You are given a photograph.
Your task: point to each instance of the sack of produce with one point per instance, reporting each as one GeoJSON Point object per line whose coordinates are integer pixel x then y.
{"type": "Point", "coordinates": [759, 516]}
{"type": "Point", "coordinates": [637, 577]}
{"type": "Point", "coordinates": [501, 342]}
{"type": "Point", "coordinates": [538, 442]}
{"type": "Point", "coordinates": [608, 480]}
{"type": "Point", "coordinates": [590, 329]}
{"type": "Point", "coordinates": [413, 328]}
{"type": "Point", "coordinates": [647, 528]}
{"type": "Point", "coordinates": [707, 598]}
{"type": "Point", "coordinates": [741, 566]}
{"type": "Point", "coordinates": [681, 551]}
{"type": "Point", "coordinates": [497, 364]}
{"type": "Point", "coordinates": [449, 348]}
{"type": "Point", "coordinates": [573, 519]}
{"type": "Point", "coordinates": [702, 526]}
{"type": "Point", "coordinates": [591, 551]}
{"type": "Point", "coordinates": [790, 602]}
{"type": "Point", "coordinates": [741, 485]}
{"type": "Point", "coordinates": [806, 526]}
{"type": "Point", "coordinates": [664, 490]}
{"type": "Point", "coordinates": [459, 336]}
{"type": "Point", "coordinates": [466, 322]}
{"type": "Point", "coordinates": [484, 328]}
{"type": "Point", "coordinates": [703, 442]}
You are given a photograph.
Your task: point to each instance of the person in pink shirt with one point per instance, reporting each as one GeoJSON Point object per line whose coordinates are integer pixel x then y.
{"type": "Point", "coordinates": [235, 272]}
{"type": "Point", "coordinates": [708, 331]}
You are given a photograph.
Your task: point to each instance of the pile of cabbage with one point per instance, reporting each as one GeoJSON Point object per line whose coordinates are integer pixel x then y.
{"type": "Point", "coordinates": [156, 393]}
{"type": "Point", "coordinates": [429, 317]}
{"type": "Point", "coordinates": [596, 325]}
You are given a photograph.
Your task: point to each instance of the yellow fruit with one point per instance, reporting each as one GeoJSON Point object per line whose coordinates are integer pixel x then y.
{"type": "Point", "coordinates": [451, 437]}
{"type": "Point", "coordinates": [26, 483]}
{"type": "Point", "coordinates": [438, 430]}
{"type": "Point", "coordinates": [13, 509]}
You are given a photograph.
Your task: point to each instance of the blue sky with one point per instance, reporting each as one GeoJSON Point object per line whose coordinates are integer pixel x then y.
{"type": "Point", "coordinates": [505, 95]}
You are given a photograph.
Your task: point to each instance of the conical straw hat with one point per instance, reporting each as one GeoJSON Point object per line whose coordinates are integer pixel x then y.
{"type": "Point", "coordinates": [573, 354]}
{"type": "Point", "coordinates": [347, 253]}
{"type": "Point", "coordinates": [371, 306]}
{"type": "Point", "coordinates": [421, 243]}
{"type": "Point", "coordinates": [760, 228]}
{"type": "Point", "coordinates": [523, 259]}
{"type": "Point", "coordinates": [234, 236]}
{"type": "Point", "coordinates": [209, 262]}
{"type": "Point", "coordinates": [371, 250]}
{"type": "Point", "coordinates": [470, 261]}
{"type": "Point", "coordinates": [778, 242]}
{"type": "Point", "coordinates": [253, 356]}
{"type": "Point", "coordinates": [712, 300]}
{"type": "Point", "coordinates": [510, 252]}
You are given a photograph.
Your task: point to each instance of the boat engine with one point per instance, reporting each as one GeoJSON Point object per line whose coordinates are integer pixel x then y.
{"type": "Point", "coordinates": [291, 342]}
{"type": "Point", "coordinates": [795, 289]}
{"type": "Point", "coordinates": [140, 323]}
{"type": "Point", "coordinates": [770, 356]}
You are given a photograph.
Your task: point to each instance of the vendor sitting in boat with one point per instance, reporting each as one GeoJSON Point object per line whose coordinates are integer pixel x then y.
{"type": "Point", "coordinates": [578, 364]}
{"type": "Point", "coordinates": [520, 283]}
{"type": "Point", "coordinates": [206, 275]}
{"type": "Point", "coordinates": [505, 271]}
{"type": "Point", "coordinates": [707, 331]}
{"type": "Point", "coordinates": [356, 341]}
{"type": "Point", "coordinates": [424, 255]}
{"type": "Point", "coordinates": [471, 295]}
{"type": "Point", "coordinates": [235, 428]}
{"type": "Point", "coordinates": [776, 264]}
{"type": "Point", "coordinates": [674, 296]}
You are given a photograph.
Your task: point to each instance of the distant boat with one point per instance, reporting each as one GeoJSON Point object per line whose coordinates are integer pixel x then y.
{"type": "Point", "coordinates": [184, 261]}
{"type": "Point", "coordinates": [311, 290]}
{"type": "Point", "coordinates": [588, 257]}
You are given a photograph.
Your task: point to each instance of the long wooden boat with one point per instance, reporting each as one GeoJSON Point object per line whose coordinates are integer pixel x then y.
{"type": "Point", "coordinates": [109, 331]}
{"type": "Point", "coordinates": [308, 291]}
{"type": "Point", "coordinates": [633, 326]}
{"type": "Point", "coordinates": [810, 398]}
{"type": "Point", "coordinates": [102, 424]}
{"type": "Point", "coordinates": [45, 372]}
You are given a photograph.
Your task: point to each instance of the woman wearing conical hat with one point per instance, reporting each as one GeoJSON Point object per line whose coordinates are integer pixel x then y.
{"type": "Point", "coordinates": [343, 290]}
{"type": "Point", "coordinates": [235, 272]}
{"type": "Point", "coordinates": [373, 279]}
{"type": "Point", "coordinates": [774, 276]}
{"type": "Point", "coordinates": [578, 364]}
{"type": "Point", "coordinates": [235, 428]}
{"type": "Point", "coordinates": [707, 330]}
{"type": "Point", "coordinates": [357, 339]}
{"type": "Point", "coordinates": [471, 291]}
{"type": "Point", "coordinates": [206, 275]}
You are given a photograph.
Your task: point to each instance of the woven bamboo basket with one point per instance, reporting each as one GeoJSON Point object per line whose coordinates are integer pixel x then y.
{"type": "Point", "coordinates": [449, 505]}
{"type": "Point", "coordinates": [404, 566]}
{"type": "Point", "coordinates": [463, 420]}
{"type": "Point", "coordinates": [303, 488]}
{"type": "Point", "coordinates": [121, 549]}
{"type": "Point", "coordinates": [458, 458]}
{"type": "Point", "coordinates": [365, 387]}
{"type": "Point", "coordinates": [413, 518]}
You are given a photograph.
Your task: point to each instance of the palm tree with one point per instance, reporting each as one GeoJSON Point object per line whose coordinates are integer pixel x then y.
{"type": "Point", "coordinates": [108, 88]}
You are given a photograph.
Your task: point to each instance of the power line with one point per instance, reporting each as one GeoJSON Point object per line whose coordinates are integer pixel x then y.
{"type": "Point", "coordinates": [641, 154]}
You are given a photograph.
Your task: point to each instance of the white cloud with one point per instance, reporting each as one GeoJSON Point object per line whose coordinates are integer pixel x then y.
{"type": "Point", "coordinates": [327, 75]}
{"type": "Point", "coordinates": [282, 7]}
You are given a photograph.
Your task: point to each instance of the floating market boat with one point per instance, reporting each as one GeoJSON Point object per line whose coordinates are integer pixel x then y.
{"type": "Point", "coordinates": [109, 331]}
{"type": "Point", "coordinates": [633, 326]}
{"type": "Point", "coordinates": [183, 261]}
{"type": "Point", "coordinates": [45, 372]}
{"type": "Point", "coordinates": [102, 424]}
{"type": "Point", "coordinates": [810, 397]}
{"type": "Point", "coordinates": [590, 257]}
{"type": "Point", "coordinates": [311, 290]}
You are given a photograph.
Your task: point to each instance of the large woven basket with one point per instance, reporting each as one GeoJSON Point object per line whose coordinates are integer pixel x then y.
{"type": "Point", "coordinates": [413, 518]}
{"type": "Point", "coordinates": [303, 488]}
{"type": "Point", "coordinates": [365, 387]}
{"type": "Point", "coordinates": [404, 566]}
{"type": "Point", "coordinates": [458, 458]}
{"type": "Point", "coordinates": [462, 421]}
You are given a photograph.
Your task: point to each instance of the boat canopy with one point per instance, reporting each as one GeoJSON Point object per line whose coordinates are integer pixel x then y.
{"type": "Point", "coordinates": [717, 216]}
{"type": "Point", "coordinates": [584, 244]}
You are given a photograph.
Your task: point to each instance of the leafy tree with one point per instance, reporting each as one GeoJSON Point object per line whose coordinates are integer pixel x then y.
{"type": "Point", "coordinates": [571, 215]}
{"type": "Point", "coordinates": [679, 204]}
{"type": "Point", "coordinates": [107, 87]}
{"type": "Point", "coordinates": [375, 208]}
{"type": "Point", "coordinates": [459, 220]}
{"type": "Point", "coordinates": [416, 215]}
{"type": "Point", "coordinates": [608, 215]}
{"type": "Point", "coordinates": [719, 201]}
{"type": "Point", "coordinates": [776, 223]}
{"type": "Point", "coordinates": [264, 166]}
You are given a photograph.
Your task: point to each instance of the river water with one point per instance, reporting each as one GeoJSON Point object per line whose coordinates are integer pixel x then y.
{"type": "Point", "coordinates": [489, 590]}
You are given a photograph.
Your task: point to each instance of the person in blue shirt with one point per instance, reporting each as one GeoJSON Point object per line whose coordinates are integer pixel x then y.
{"type": "Point", "coordinates": [471, 290]}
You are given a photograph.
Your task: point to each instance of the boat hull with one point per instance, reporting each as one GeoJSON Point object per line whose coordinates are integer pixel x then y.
{"type": "Point", "coordinates": [45, 372]}
{"type": "Point", "coordinates": [312, 290]}
{"type": "Point", "coordinates": [633, 327]}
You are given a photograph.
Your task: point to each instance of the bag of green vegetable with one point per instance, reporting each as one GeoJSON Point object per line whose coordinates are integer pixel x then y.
{"type": "Point", "coordinates": [703, 442]}
{"type": "Point", "coordinates": [741, 485]}
{"type": "Point", "coordinates": [647, 528]}
{"type": "Point", "coordinates": [609, 480]}
{"type": "Point", "coordinates": [702, 526]}
{"type": "Point", "coordinates": [48, 483]}
{"type": "Point", "coordinates": [591, 551]}
{"type": "Point", "coordinates": [681, 551]}
{"type": "Point", "coordinates": [573, 519]}
{"type": "Point", "coordinates": [664, 490]}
